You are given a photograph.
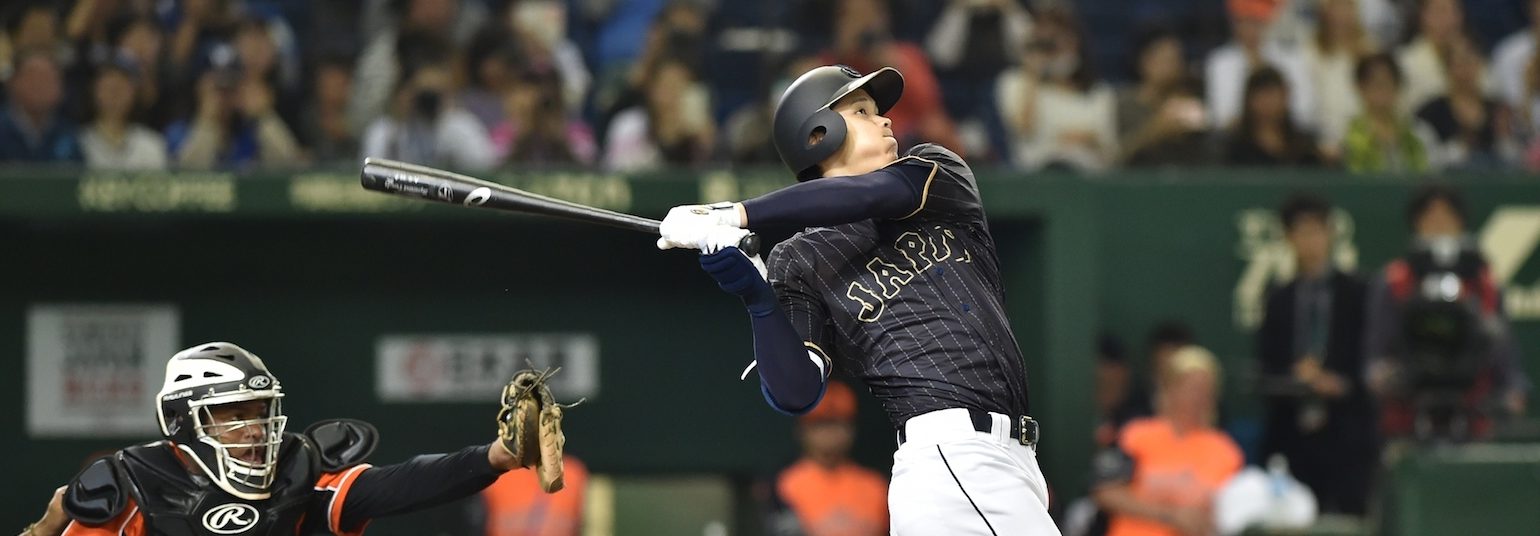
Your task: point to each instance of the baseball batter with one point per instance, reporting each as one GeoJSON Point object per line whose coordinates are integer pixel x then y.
{"type": "Point", "coordinates": [895, 277]}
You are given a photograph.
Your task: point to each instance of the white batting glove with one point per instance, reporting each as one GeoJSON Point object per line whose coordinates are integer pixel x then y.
{"type": "Point", "coordinates": [686, 225]}
{"type": "Point", "coordinates": [719, 237]}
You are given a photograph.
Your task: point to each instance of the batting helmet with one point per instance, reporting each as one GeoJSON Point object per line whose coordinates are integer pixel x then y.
{"type": "Point", "coordinates": [804, 109]}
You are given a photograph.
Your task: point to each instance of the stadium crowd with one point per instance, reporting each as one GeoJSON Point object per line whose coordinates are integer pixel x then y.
{"type": "Point", "coordinates": [1399, 86]}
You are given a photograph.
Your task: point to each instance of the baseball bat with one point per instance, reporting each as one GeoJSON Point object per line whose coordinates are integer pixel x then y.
{"type": "Point", "coordinates": [439, 186]}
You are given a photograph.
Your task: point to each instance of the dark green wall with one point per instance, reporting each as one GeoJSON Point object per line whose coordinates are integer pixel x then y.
{"type": "Point", "coordinates": [310, 279]}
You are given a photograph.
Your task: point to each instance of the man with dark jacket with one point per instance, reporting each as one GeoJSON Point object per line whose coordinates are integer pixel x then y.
{"type": "Point", "coordinates": [1318, 413]}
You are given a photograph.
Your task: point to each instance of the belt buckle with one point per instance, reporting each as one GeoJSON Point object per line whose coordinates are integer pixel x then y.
{"type": "Point", "coordinates": [1029, 432]}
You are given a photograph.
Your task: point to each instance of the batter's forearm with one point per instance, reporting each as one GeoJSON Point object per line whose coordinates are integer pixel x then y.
{"type": "Point", "coordinates": [791, 374]}
{"type": "Point", "coordinates": [886, 193]}
{"type": "Point", "coordinates": [421, 482]}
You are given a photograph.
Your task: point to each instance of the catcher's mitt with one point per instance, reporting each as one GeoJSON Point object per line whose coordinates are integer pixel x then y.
{"type": "Point", "coordinates": [529, 426]}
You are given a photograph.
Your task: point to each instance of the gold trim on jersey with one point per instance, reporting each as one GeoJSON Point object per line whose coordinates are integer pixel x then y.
{"type": "Point", "coordinates": [925, 192]}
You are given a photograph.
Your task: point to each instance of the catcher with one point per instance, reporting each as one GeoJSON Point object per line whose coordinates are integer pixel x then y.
{"type": "Point", "coordinates": [226, 466]}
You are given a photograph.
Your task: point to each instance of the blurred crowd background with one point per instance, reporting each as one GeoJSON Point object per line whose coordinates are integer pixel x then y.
{"type": "Point", "coordinates": [1340, 366]}
{"type": "Point", "coordinates": [1363, 85]}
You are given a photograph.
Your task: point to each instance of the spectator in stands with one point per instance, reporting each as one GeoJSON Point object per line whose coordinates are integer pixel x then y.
{"type": "Point", "coordinates": [1338, 43]}
{"type": "Point", "coordinates": [112, 140]}
{"type": "Point", "coordinates": [672, 127]}
{"type": "Point", "coordinates": [1440, 27]}
{"type": "Point", "coordinates": [1228, 67]}
{"type": "Point", "coordinates": [1265, 136]}
{"type": "Point", "coordinates": [541, 26]}
{"type": "Point", "coordinates": [1310, 345]}
{"type": "Point", "coordinates": [426, 126]}
{"type": "Point", "coordinates": [1157, 109]}
{"type": "Point", "coordinates": [327, 134]}
{"type": "Point", "coordinates": [1437, 216]}
{"type": "Point", "coordinates": [628, 36]}
{"type": "Point", "coordinates": [35, 26]}
{"type": "Point", "coordinates": [1511, 60]}
{"type": "Point", "coordinates": [1178, 136]}
{"type": "Point", "coordinates": [970, 44]}
{"type": "Point", "coordinates": [138, 42]}
{"type": "Point", "coordinates": [676, 33]}
{"type": "Point", "coordinates": [259, 57]}
{"type": "Point", "coordinates": [385, 59]}
{"type": "Point", "coordinates": [863, 39]}
{"type": "Point", "coordinates": [236, 125]}
{"type": "Point", "coordinates": [514, 505]}
{"type": "Point", "coordinates": [1382, 20]}
{"type": "Point", "coordinates": [826, 491]}
{"type": "Point", "coordinates": [1383, 139]}
{"type": "Point", "coordinates": [1162, 475]}
{"type": "Point", "coordinates": [32, 126]}
{"type": "Point", "coordinates": [537, 128]}
{"type": "Point", "coordinates": [200, 27]}
{"type": "Point", "coordinates": [491, 63]}
{"type": "Point", "coordinates": [1056, 112]}
{"type": "Point", "coordinates": [1472, 131]}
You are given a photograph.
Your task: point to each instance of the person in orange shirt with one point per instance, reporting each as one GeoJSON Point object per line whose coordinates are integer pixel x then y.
{"type": "Point", "coordinates": [515, 505]}
{"type": "Point", "coordinates": [831, 495]}
{"type": "Point", "coordinates": [1161, 477]}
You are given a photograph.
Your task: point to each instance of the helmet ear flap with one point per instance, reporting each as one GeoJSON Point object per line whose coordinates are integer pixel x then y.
{"type": "Point", "coordinates": [832, 125]}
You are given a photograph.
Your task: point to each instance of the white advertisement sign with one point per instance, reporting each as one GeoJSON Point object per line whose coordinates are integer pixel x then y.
{"type": "Point", "coordinates": [93, 370]}
{"type": "Point", "coordinates": [474, 368]}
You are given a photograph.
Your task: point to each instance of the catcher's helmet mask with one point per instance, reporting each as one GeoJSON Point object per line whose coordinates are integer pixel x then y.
{"type": "Point", "coordinates": [805, 108]}
{"type": "Point", "coordinates": [203, 377]}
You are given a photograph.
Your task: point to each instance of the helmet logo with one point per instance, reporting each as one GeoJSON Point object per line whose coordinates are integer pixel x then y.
{"type": "Point", "coordinates": [233, 518]}
{"type": "Point", "coordinates": [259, 382]}
{"type": "Point", "coordinates": [850, 71]}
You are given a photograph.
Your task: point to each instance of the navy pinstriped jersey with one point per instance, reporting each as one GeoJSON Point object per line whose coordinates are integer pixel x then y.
{"type": "Point", "coordinates": [913, 306]}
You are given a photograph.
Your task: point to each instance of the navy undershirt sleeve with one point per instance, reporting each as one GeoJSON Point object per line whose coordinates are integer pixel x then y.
{"type": "Point", "coordinates": [790, 380]}
{"type": "Point", "coordinates": [892, 192]}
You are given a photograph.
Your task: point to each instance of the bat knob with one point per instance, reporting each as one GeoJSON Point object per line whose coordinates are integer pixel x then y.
{"type": "Point", "coordinates": [749, 245]}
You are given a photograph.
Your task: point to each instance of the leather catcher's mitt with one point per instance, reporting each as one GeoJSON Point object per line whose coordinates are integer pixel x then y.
{"type": "Point", "coordinates": [529, 426]}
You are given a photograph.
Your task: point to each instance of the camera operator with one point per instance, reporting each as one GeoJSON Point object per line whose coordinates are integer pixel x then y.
{"type": "Point", "coordinates": [1441, 354]}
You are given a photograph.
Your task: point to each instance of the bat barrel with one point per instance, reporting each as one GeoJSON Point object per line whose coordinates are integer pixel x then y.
{"type": "Point", "coordinates": [439, 186]}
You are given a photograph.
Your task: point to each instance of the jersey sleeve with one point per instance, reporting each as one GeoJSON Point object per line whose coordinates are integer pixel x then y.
{"type": "Point", "coordinates": [336, 486]}
{"type": "Point", "coordinates": [799, 299]}
{"type": "Point", "coordinates": [948, 190]}
{"type": "Point", "coordinates": [128, 523]}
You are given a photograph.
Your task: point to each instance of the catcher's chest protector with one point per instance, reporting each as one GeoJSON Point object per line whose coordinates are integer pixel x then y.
{"type": "Point", "coordinates": [172, 504]}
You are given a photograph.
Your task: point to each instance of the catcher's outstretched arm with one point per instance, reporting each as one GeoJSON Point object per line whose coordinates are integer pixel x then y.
{"type": "Point", "coordinates": [423, 481]}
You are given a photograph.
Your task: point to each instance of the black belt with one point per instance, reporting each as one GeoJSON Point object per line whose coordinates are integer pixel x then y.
{"type": "Point", "coordinates": [1023, 429]}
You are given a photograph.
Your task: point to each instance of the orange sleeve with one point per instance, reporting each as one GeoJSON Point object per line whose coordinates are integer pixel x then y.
{"type": "Point", "coordinates": [1133, 437]}
{"type": "Point", "coordinates": [128, 523]}
{"type": "Point", "coordinates": [338, 484]}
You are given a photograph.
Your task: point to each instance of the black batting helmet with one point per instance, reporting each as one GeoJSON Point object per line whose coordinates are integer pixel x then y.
{"type": "Point", "coordinates": [804, 110]}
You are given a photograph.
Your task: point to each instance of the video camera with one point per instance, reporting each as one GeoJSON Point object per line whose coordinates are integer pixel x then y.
{"type": "Point", "coordinates": [1445, 345]}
